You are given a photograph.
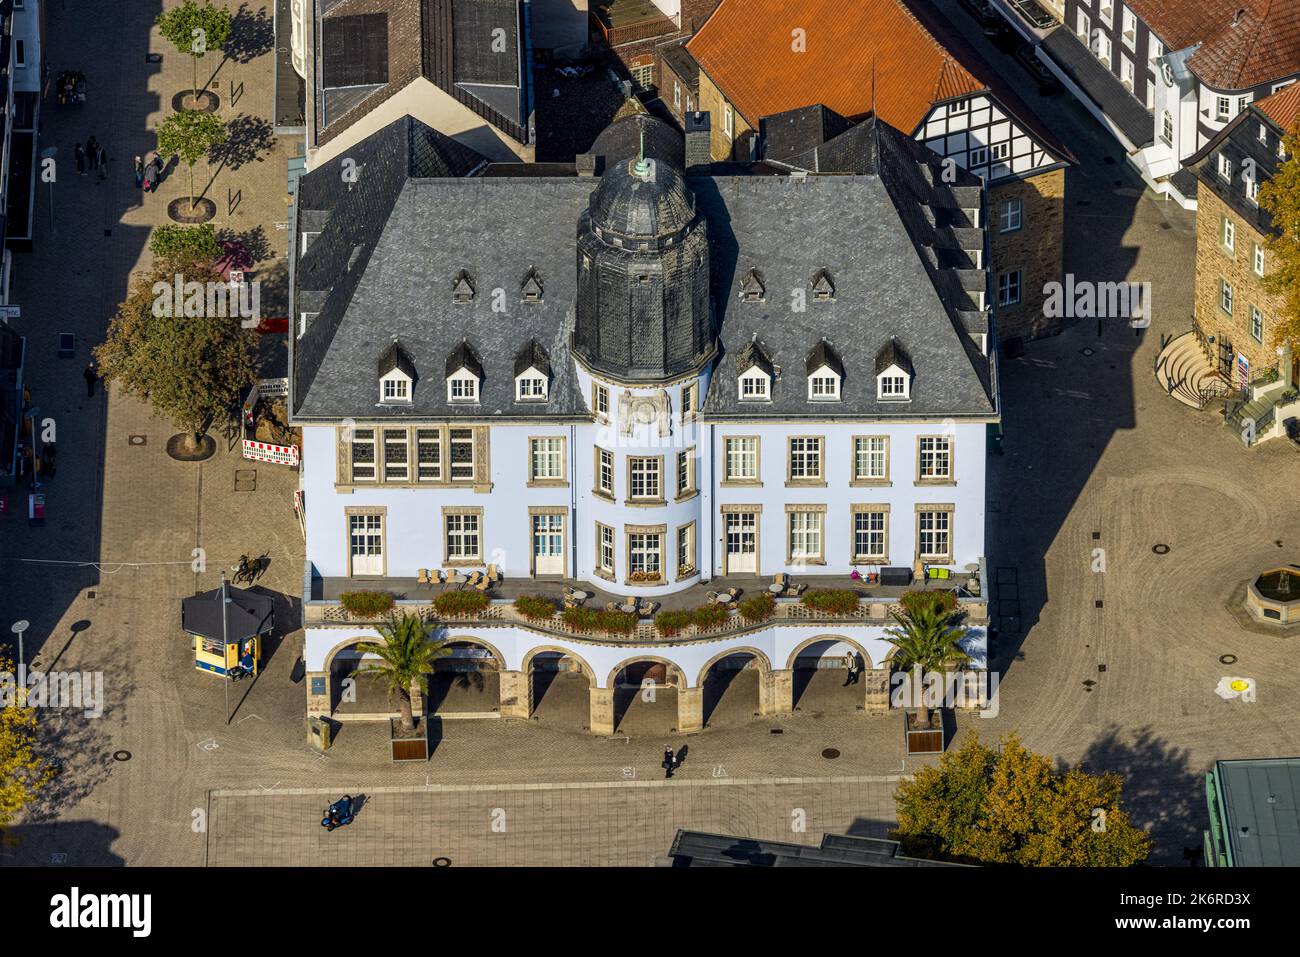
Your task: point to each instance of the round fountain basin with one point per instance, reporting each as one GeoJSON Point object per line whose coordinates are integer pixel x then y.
{"type": "Point", "coordinates": [1274, 597]}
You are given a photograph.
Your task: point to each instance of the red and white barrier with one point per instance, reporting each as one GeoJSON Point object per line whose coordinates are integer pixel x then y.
{"type": "Point", "coordinates": [266, 452]}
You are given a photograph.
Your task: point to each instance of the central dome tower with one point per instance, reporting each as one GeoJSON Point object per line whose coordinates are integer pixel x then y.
{"type": "Point", "coordinates": [643, 309]}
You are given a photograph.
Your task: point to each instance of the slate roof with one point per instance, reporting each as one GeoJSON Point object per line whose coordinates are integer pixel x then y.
{"type": "Point", "coordinates": [450, 43]}
{"type": "Point", "coordinates": [916, 57]}
{"type": "Point", "coordinates": [1236, 52]}
{"type": "Point", "coordinates": [1238, 141]}
{"type": "Point", "coordinates": [893, 354]}
{"type": "Point", "coordinates": [532, 356]}
{"type": "Point", "coordinates": [891, 239]}
{"type": "Point", "coordinates": [1101, 86]}
{"type": "Point", "coordinates": [395, 357]}
{"type": "Point", "coordinates": [790, 133]}
{"type": "Point", "coordinates": [823, 355]}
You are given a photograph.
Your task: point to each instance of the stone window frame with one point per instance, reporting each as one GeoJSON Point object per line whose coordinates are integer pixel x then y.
{"type": "Point", "coordinates": [481, 480]}
{"type": "Point", "coordinates": [533, 512]}
{"type": "Point", "coordinates": [382, 511]}
{"type": "Point", "coordinates": [757, 480]}
{"type": "Point", "coordinates": [599, 569]}
{"type": "Point", "coordinates": [690, 401]}
{"type": "Point", "coordinates": [562, 481]}
{"type": "Point", "coordinates": [607, 494]}
{"type": "Point", "coordinates": [662, 532]}
{"type": "Point", "coordinates": [857, 481]}
{"type": "Point", "coordinates": [645, 501]}
{"type": "Point", "coordinates": [691, 460]}
{"type": "Point", "coordinates": [803, 481]}
{"type": "Point", "coordinates": [599, 395]}
{"type": "Point", "coordinates": [1260, 264]}
{"type": "Point", "coordinates": [1256, 312]}
{"type": "Point", "coordinates": [465, 510]}
{"type": "Point", "coordinates": [382, 446]}
{"type": "Point", "coordinates": [947, 508]}
{"type": "Point", "coordinates": [951, 477]}
{"type": "Point", "coordinates": [867, 508]}
{"type": "Point", "coordinates": [812, 509]}
{"type": "Point", "coordinates": [1228, 236]}
{"type": "Point", "coordinates": [692, 529]}
{"type": "Point", "coordinates": [742, 509]}
{"type": "Point", "coordinates": [1228, 296]}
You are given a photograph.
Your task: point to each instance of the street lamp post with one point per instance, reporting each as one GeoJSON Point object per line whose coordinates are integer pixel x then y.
{"type": "Point", "coordinates": [18, 628]}
{"type": "Point", "coordinates": [49, 153]}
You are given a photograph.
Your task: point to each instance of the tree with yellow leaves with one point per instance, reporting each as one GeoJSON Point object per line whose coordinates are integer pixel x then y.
{"type": "Point", "coordinates": [1280, 197]}
{"type": "Point", "coordinates": [22, 771]}
{"type": "Point", "coordinates": [1013, 807]}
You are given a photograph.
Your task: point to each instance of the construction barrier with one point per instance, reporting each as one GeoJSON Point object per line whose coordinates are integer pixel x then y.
{"type": "Point", "coordinates": [266, 452]}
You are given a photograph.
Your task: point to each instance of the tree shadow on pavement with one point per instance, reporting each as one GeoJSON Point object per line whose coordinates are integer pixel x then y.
{"type": "Point", "coordinates": [253, 241]}
{"type": "Point", "coordinates": [252, 34]}
{"type": "Point", "coordinates": [247, 138]}
{"type": "Point", "coordinates": [1162, 794]}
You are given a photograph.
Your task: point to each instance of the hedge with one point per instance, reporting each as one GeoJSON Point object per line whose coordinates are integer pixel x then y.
{"type": "Point", "coordinates": [760, 607]}
{"type": "Point", "coordinates": [366, 604]}
{"type": "Point", "coordinates": [670, 623]}
{"type": "Point", "coordinates": [591, 619]}
{"type": "Point", "coordinates": [832, 601]}
{"type": "Point", "coordinates": [459, 604]}
{"type": "Point", "coordinates": [534, 607]}
{"type": "Point", "coordinates": [942, 600]}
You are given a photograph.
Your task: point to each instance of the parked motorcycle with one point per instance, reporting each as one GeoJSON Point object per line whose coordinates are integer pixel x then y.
{"type": "Point", "coordinates": [339, 814]}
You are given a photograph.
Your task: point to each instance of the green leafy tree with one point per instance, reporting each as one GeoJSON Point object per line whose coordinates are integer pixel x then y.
{"type": "Point", "coordinates": [1013, 807]}
{"type": "Point", "coordinates": [185, 244]}
{"type": "Point", "coordinates": [927, 638]}
{"type": "Point", "coordinates": [189, 365]}
{"type": "Point", "coordinates": [194, 30]}
{"type": "Point", "coordinates": [1280, 197]}
{"type": "Point", "coordinates": [190, 135]}
{"type": "Point", "coordinates": [406, 657]}
{"type": "Point", "coordinates": [23, 772]}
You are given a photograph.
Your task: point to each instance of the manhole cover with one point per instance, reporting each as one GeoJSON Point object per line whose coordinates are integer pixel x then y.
{"type": "Point", "coordinates": [442, 862]}
{"type": "Point", "coordinates": [1161, 549]}
{"type": "Point", "coordinates": [776, 731]}
{"type": "Point", "coordinates": [245, 480]}
{"type": "Point", "coordinates": [831, 753]}
{"type": "Point", "coordinates": [137, 439]}
{"type": "Point", "coordinates": [1227, 659]}
{"type": "Point", "coordinates": [121, 755]}
{"type": "Point", "coordinates": [1086, 351]}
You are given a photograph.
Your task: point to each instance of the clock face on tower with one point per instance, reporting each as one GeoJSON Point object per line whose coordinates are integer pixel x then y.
{"type": "Point", "coordinates": [1168, 72]}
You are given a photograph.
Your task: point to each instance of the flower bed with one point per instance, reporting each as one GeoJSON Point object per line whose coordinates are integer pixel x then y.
{"type": "Point", "coordinates": [591, 619]}
{"type": "Point", "coordinates": [535, 608]}
{"type": "Point", "coordinates": [832, 601]}
{"type": "Point", "coordinates": [760, 607]}
{"type": "Point", "coordinates": [460, 604]}
{"type": "Point", "coordinates": [366, 604]}
{"type": "Point", "coordinates": [671, 623]}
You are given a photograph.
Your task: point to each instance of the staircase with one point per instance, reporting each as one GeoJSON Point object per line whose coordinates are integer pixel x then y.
{"type": "Point", "coordinates": [1183, 372]}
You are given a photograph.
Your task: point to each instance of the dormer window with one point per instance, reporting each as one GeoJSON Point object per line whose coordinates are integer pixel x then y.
{"type": "Point", "coordinates": [532, 289]}
{"type": "Point", "coordinates": [755, 386]}
{"type": "Point", "coordinates": [462, 386]}
{"type": "Point", "coordinates": [396, 375]}
{"type": "Point", "coordinates": [824, 386]}
{"type": "Point", "coordinates": [462, 289]}
{"type": "Point", "coordinates": [530, 387]}
{"type": "Point", "coordinates": [893, 385]}
{"type": "Point", "coordinates": [823, 289]}
{"type": "Point", "coordinates": [395, 388]}
{"type": "Point", "coordinates": [752, 288]}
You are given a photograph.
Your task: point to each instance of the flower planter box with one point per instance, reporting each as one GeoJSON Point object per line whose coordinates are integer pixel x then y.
{"type": "Point", "coordinates": [931, 740]}
{"type": "Point", "coordinates": [408, 747]}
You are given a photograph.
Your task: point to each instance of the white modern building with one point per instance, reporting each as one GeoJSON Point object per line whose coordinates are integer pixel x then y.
{"type": "Point", "coordinates": [644, 384]}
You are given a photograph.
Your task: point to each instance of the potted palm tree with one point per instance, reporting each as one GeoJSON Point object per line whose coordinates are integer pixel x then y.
{"type": "Point", "coordinates": [405, 658]}
{"type": "Point", "coordinates": [928, 639]}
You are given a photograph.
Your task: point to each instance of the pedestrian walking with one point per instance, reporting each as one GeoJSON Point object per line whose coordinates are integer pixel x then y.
{"type": "Point", "coordinates": [669, 763]}
{"type": "Point", "coordinates": [92, 152]}
{"type": "Point", "coordinates": [851, 669]}
{"type": "Point", "coordinates": [80, 153]}
{"type": "Point", "coordinates": [138, 165]}
{"type": "Point", "coordinates": [91, 375]}
{"type": "Point", "coordinates": [101, 161]}
{"type": "Point", "coordinates": [151, 171]}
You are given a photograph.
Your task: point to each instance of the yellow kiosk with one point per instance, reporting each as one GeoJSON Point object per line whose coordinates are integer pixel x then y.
{"type": "Point", "coordinates": [227, 625]}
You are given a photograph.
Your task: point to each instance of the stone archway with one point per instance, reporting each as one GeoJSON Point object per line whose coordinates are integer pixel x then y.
{"type": "Point", "coordinates": [644, 694]}
{"type": "Point", "coordinates": [819, 680]}
{"type": "Point", "coordinates": [559, 687]}
{"type": "Point", "coordinates": [733, 687]}
{"type": "Point", "coordinates": [467, 681]}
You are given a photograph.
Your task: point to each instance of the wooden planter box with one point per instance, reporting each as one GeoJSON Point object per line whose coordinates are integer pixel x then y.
{"type": "Point", "coordinates": [930, 740]}
{"type": "Point", "coordinates": [412, 747]}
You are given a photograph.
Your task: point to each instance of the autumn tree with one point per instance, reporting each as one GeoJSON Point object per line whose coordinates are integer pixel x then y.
{"type": "Point", "coordinates": [178, 348]}
{"type": "Point", "coordinates": [22, 771]}
{"type": "Point", "coordinates": [1012, 806]}
{"type": "Point", "coordinates": [1280, 197]}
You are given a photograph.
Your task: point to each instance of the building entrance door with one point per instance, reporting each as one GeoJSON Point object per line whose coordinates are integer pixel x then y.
{"type": "Point", "coordinates": [742, 543]}
{"type": "Point", "coordinates": [548, 544]}
{"type": "Point", "coordinates": [366, 543]}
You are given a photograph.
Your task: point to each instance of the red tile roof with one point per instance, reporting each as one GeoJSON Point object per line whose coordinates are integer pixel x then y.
{"type": "Point", "coordinates": [1283, 107]}
{"type": "Point", "coordinates": [1236, 52]}
{"type": "Point", "coordinates": [748, 48]}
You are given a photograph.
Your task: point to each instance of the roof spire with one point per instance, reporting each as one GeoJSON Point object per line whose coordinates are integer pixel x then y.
{"type": "Point", "coordinates": [642, 167]}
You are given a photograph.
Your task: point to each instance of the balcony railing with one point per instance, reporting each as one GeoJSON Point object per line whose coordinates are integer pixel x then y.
{"type": "Point", "coordinates": [627, 21]}
{"type": "Point", "coordinates": [504, 613]}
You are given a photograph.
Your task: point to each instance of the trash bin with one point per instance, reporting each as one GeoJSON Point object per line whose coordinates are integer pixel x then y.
{"type": "Point", "coordinates": [318, 732]}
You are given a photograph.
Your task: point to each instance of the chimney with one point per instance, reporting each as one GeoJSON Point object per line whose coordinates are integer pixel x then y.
{"type": "Point", "coordinates": [585, 164]}
{"type": "Point", "coordinates": [699, 150]}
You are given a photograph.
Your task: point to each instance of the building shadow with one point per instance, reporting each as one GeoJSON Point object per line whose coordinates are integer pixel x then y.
{"type": "Point", "coordinates": [76, 843]}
